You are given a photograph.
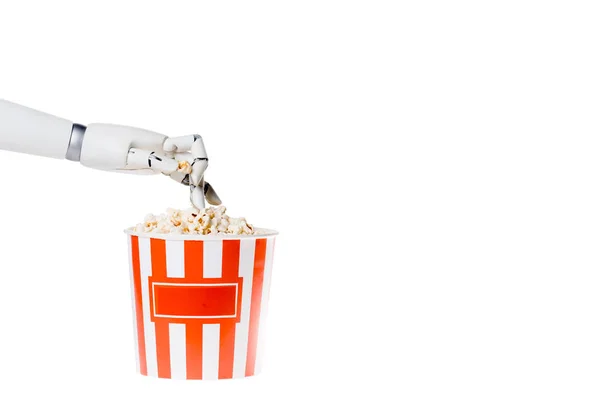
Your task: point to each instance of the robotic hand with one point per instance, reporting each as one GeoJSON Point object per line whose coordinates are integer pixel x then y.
{"type": "Point", "coordinates": [108, 147]}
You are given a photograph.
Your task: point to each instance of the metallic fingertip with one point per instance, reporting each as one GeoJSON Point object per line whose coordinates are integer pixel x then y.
{"type": "Point", "coordinates": [211, 196]}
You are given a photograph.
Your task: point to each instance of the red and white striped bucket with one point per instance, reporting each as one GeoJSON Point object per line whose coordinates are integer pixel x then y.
{"type": "Point", "coordinates": [200, 304]}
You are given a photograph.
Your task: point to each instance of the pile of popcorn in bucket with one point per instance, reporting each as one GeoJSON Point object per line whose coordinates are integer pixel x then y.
{"type": "Point", "coordinates": [208, 221]}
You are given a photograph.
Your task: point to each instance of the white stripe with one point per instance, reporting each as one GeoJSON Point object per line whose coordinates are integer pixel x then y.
{"type": "Point", "coordinates": [241, 332]}
{"type": "Point", "coordinates": [133, 311]}
{"type": "Point", "coordinates": [177, 346]}
{"type": "Point", "coordinates": [210, 350]}
{"type": "Point", "coordinates": [213, 256]}
{"type": "Point", "coordinates": [264, 304]}
{"type": "Point", "coordinates": [213, 268]}
{"type": "Point", "coordinates": [176, 269]}
{"type": "Point", "coordinates": [175, 259]}
{"type": "Point", "coordinates": [149, 332]}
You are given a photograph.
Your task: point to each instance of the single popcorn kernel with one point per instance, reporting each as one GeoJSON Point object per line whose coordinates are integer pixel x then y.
{"type": "Point", "coordinates": [185, 167]}
{"type": "Point", "coordinates": [175, 222]}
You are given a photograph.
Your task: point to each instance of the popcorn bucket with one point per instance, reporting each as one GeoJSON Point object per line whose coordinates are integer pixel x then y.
{"type": "Point", "coordinates": [200, 303]}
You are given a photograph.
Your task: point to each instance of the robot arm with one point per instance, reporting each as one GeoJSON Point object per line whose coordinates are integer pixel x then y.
{"type": "Point", "coordinates": [29, 131]}
{"type": "Point", "coordinates": [106, 147]}
{"type": "Point", "coordinates": [101, 146]}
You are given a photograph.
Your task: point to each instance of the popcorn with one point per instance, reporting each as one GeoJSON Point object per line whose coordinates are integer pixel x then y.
{"type": "Point", "coordinates": [208, 221]}
{"type": "Point", "coordinates": [185, 167]}
{"type": "Point", "coordinates": [239, 226]}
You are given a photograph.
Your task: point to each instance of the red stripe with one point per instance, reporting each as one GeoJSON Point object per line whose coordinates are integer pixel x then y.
{"type": "Point", "coordinates": [257, 287]}
{"type": "Point", "coordinates": [137, 292]}
{"type": "Point", "coordinates": [230, 267]}
{"type": "Point", "coordinates": [159, 271]}
{"type": "Point", "coordinates": [194, 261]}
{"type": "Point", "coordinates": [192, 301]}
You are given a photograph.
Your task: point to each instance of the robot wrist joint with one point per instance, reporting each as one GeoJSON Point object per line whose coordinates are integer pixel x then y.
{"type": "Point", "coordinates": [76, 142]}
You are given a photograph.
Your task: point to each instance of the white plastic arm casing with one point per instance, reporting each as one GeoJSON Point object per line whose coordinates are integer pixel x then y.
{"type": "Point", "coordinates": [107, 147]}
{"type": "Point", "coordinates": [101, 146]}
{"type": "Point", "coordinates": [33, 132]}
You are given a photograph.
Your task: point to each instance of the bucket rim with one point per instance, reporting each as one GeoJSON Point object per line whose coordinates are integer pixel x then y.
{"type": "Point", "coordinates": [262, 233]}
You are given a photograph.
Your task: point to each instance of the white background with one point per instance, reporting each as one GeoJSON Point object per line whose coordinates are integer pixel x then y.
{"type": "Point", "coordinates": [432, 167]}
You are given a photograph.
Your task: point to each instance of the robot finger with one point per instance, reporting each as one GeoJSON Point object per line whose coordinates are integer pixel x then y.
{"type": "Point", "coordinates": [197, 196]}
{"type": "Point", "coordinates": [144, 159]}
{"type": "Point", "coordinates": [180, 177]}
{"type": "Point", "coordinates": [198, 168]}
{"type": "Point", "coordinates": [178, 144]}
{"type": "Point", "coordinates": [186, 143]}
{"type": "Point", "coordinates": [198, 149]}
{"type": "Point", "coordinates": [144, 139]}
